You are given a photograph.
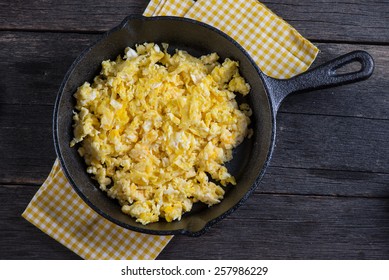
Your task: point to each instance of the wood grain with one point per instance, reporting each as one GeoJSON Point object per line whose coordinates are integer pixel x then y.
{"type": "Point", "coordinates": [32, 65]}
{"type": "Point", "coordinates": [73, 16]}
{"type": "Point", "coordinates": [355, 21]}
{"type": "Point", "coordinates": [19, 239]}
{"type": "Point", "coordinates": [293, 227]}
{"type": "Point", "coordinates": [335, 143]}
{"type": "Point", "coordinates": [343, 126]}
{"type": "Point", "coordinates": [266, 227]}
{"type": "Point", "coordinates": [304, 181]}
{"type": "Point", "coordinates": [305, 142]}
{"type": "Point", "coordinates": [325, 194]}
{"type": "Point", "coordinates": [345, 21]}
{"type": "Point", "coordinates": [41, 61]}
{"type": "Point", "coordinates": [368, 99]}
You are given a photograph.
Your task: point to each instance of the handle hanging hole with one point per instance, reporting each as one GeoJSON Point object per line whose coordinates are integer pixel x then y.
{"type": "Point", "coordinates": [351, 67]}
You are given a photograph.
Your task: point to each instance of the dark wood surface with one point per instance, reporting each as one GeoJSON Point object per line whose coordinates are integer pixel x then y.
{"type": "Point", "coordinates": [326, 193]}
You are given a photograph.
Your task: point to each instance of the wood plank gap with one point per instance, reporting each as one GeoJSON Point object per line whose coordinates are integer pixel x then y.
{"type": "Point", "coordinates": [59, 31]}
{"type": "Point", "coordinates": [27, 104]}
{"type": "Point", "coordinates": [94, 32]}
{"type": "Point", "coordinates": [313, 195]}
{"type": "Point", "coordinates": [256, 193]}
{"type": "Point", "coordinates": [345, 42]}
{"type": "Point", "coordinates": [19, 184]}
{"type": "Point", "coordinates": [331, 170]}
{"type": "Point", "coordinates": [331, 115]}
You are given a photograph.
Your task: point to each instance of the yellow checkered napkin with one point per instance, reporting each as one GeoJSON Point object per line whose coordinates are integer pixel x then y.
{"type": "Point", "coordinates": [278, 49]}
{"type": "Point", "coordinates": [58, 211]}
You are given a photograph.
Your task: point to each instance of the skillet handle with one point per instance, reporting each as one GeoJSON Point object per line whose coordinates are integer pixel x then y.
{"type": "Point", "coordinates": [323, 76]}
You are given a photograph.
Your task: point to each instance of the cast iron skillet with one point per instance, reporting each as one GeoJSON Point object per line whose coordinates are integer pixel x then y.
{"type": "Point", "coordinates": [250, 159]}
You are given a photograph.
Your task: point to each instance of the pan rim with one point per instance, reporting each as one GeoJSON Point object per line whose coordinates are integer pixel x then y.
{"type": "Point", "coordinates": [183, 231]}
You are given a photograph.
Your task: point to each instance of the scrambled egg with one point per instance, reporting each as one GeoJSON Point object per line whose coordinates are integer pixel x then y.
{"type": "Point", "coordinates": [155, 129]}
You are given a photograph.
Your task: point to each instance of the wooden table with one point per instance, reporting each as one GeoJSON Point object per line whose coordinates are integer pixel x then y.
{"type": "Point", "coordinates": [326, 193]}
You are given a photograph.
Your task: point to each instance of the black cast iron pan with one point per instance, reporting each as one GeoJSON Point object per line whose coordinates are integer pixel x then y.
{"type": "Point", "coordinates": [250, 159]}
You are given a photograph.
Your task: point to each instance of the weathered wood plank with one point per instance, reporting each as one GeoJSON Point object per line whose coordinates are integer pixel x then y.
{"type": "Point", "coordinates": [18, 238]}
{"type": "Point", "coordinates": [330, 142]}
{"type": "Point", "coordinates": [279, 180]}
{"type": "Point", "coordinates": [316, 19]}
{"type": "Point", "coordinates": [86, 15]}
{"type": "Point", "coordinates": [27, 154]}
{"type": "Point", "coordinates": [320, 144]}
{"type": "Point", "coordinates": [32, 65]}
{"type": "Point", "coordinates": [293, 227]}
{"type": "Point", "coordinates": [32, 74]}
{"type": "Point", "coordinates": [41, 61]}
{"type": "Point", "coordinates": [346, 21]}
{"type": "Point", "coordinates": [366, 99]}
{"type": "Point", "coordinates": [270, 227]}
{"type": "Point", "coordinates": [325, 195]}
